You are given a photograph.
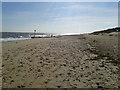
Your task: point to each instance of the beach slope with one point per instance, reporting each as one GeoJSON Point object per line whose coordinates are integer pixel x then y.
{"type": "Point", "coordinates": [62, 62]}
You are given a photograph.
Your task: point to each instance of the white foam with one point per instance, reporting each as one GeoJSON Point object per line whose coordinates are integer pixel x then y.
{"type": "Point", "coordinates": [12, 39]}
{"type": "Point", "coordinates": [38, 36]}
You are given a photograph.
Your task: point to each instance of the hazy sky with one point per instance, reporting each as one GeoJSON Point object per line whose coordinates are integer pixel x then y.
{"type": "Point", "coordinates": [59, 17]}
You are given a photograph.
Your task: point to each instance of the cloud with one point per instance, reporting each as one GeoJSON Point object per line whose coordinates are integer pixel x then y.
{"type": "Point", "coordinates": [86, 19]}
{"type": "Point", "coordinates": [81, 7]}
{"type": "Point", "coordinates": [90, 8]}
{"type": "Point", "coordinates": [81, 24]}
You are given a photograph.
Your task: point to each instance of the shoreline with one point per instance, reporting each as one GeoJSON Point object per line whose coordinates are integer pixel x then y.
{"type": "Point", "coordinates": [12, 39]}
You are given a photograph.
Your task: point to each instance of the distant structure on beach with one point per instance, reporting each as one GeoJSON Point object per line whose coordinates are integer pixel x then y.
{"type": "Point", "coordinates": [34, 32]}
{"type": "Point", "coordinates": [43, 35]}
{"type": "Point", "coordinates": [38, 35]}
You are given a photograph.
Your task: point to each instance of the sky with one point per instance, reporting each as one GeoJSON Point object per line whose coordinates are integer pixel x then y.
{"type": "Point", "coordinates": [0, 17]}
{"type": "Point", "coordinates": [59, 17]}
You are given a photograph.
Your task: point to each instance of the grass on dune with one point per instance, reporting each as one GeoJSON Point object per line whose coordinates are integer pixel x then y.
{"type": "Point", "coordinates": [107, 45]}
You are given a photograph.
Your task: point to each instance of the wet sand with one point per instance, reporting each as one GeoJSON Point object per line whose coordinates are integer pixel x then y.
{"type": "Point", "coordinates": [64, 62]}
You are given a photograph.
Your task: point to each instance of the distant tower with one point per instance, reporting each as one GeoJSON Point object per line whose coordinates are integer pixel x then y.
{"type": "Point", "coordinates": [34, 32]}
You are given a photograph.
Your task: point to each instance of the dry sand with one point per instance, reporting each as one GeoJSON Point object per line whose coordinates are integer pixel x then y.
{"type": "Point", "coordinates": [0, 65]}
{"type": "Point", "coordinates": [64, 62]}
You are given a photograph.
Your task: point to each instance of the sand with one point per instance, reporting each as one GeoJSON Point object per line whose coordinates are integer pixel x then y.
{"type": "Point", "coordinates": [0, 65]}
{"type": "Point", "coordinates": [63, 62]}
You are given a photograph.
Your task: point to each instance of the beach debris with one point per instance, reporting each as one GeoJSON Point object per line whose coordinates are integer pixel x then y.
{"type": "Point", "coordinates": [100, 86]}
{"type": "Point", "coordinates": [97, 83]}
{"type": "Point", "coordinates": [3, 65]}
{"type": "Point", "coordinates": [39, 70]}
{"type": "Point", "coordinates": [12, 81]}
{"type": "Point", "coordinates": [81, 75]}
{"type": "Point", "coordinates": [64, 64]}
{"type": "Point", "coordinates": [22, 86]}
{"type": "Point", "coordinates": [46, 82]}
{"type": "Point", "coordinates": [68, 73]}
{"type": "Point", "coordinates": [59, 86]}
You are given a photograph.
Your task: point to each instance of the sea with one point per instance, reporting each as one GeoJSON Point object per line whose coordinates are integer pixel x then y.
{"type": "Point", "coordinates": [13, 36]}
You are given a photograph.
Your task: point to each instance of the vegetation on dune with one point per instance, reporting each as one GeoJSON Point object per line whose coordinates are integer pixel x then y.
{"type": "Point", "coordinates": [117, 29]}
{"type": "Point", "coordinates": [107, 43]}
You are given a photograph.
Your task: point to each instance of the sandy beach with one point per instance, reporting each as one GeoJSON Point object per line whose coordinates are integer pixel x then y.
{"type": "Point", "coordinates": [58, 62]}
